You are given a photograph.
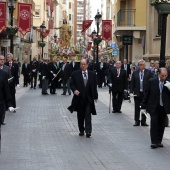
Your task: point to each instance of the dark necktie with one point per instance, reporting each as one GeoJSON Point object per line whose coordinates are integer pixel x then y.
{"type": "Point", "coordinates": [10, 65]}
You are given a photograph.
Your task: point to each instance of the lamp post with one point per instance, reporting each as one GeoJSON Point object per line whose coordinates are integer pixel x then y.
{"type": "Point", "coordinates": [98, 19]}
{"type": "Point", "coordinates": [94, 33]}
{"type": "Point", "coordinates": [43, 27]}
{"type": "Point", "coordinates": [11, 6]}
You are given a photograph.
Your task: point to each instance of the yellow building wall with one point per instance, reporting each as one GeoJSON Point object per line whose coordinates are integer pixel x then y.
{"type": "Point", "coordinates": [140, 6]}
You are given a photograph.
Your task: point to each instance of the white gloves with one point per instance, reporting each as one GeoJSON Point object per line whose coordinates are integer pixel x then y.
{"type": "Point", "coordinates": [167, 84]}
{"type": "Point", "coordinates": [34, 70]}
{"type": "Point", "coordinates": [131, 95]}
{"type": "Point", "coordinates": [125, 90]}
{"type": "Point", "coordinates": [18, 85]}
{"type": "Point", "coordinates": [51, 72]}
{"type": "Point", "coordinates": [54, 75]}
{"type": "Point", "coordinates": [39, 73]}
{"type": "Point", "coordinates": [11, 109]}
{"type": "Point", "coordinates": [110, 85]}
{"type": "Point", "coordinates": [143, 111]}
{"type": "Point", "coordinates": [43, 77]}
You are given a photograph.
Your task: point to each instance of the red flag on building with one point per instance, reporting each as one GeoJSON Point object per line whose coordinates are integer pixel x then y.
{"type": "Point", "coordinates": [24, 18]}
{"type": "Point", "coordinates": [89, 46]}
{"type": "Point", "coordinates": [2, 16]}
{"type": "Point", "coordinates": [86, 24]}
{"type": "Point", "coordinates": [107, 30]}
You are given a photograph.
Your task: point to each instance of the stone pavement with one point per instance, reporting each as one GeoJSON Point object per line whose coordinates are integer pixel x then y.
{"type": "Point", "coordinates": [43, 135]}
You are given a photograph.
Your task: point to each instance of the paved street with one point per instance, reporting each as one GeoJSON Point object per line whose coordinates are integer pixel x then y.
{"type": "Point", "coordinates": [43, 135]}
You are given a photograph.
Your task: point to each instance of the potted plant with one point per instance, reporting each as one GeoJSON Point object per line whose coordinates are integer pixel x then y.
{"type": "Point", "coordinates": [162, 6]}
{"type": "Point", "coordinates": [11, 30]}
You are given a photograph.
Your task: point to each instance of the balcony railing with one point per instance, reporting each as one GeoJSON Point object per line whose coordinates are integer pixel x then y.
{"type": "Point", "coordinates": [126, 17]}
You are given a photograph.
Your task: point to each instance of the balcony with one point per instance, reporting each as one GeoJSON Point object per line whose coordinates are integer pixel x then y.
{"type": "Point", "coordinates": [126, 17]}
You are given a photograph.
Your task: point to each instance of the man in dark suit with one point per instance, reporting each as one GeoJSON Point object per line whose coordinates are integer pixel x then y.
{"type": "Point", "coordinates": [26, 72]}
{"type": "Point", "coordinates": [126, 67]}
{"type": "Point", "coordinates": [138, 84]}
{"type": "Point", "coordinates": [59, 77]}
{"type": "Point", "coordinates": [34, 67]}
{"type": "Point", "coordinates": [84, 87]}
{"type": "Point", "coordinates": [73, 65]}
{"type": "Point", "coordinates": [118, 83]}
{"type": "Point", "coordinates": [45, 76]}
{"type": "Point", "coordinates": [66, 76]}
{"type": "Point", "coordinates": [157, 103]}
{"type": "Point", "coordinates": [54, 71]}
{"type": "Point", "coordinates": [14, 73]}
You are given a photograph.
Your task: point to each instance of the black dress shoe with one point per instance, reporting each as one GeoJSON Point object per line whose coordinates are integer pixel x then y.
{"type": "Point", "coordinates": [154, 146]}
{"type": "Point", "coordinates": [34, 87]}
{"type": "Point", "coordinates": [137, 124]}
{"type": "Point", "coordinates": [88, 135]}
{"type": "Point", "coordinates": [69, 93]}
{"type": "Point", "coordinates": [119, 111]}
{"type": "Point", "coordinates": [14, 111]}
{"type": "Point", "coordinates": [144, 124]}
{"type": "Point", "coordinates": [3, 123]}
{"type": "Point", "coordinates": [81, 134]}
{"type": "Point", "coordinates": [114, 111]}
{"type": "Point", "coordinates": [160, 145]}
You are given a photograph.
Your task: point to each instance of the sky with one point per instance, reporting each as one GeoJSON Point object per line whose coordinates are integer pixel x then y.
{"type": "Point", "coordinates": [95, 4]}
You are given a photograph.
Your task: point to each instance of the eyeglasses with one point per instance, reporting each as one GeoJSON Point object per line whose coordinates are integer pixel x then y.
{"type": "Point", "coordinates": [2, 59]}
{"type": "Point", "coordinates": [152, 63]}
{"type": "Point", "coordinates": [140, 64]}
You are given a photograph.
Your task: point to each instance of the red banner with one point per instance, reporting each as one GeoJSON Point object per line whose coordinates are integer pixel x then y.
{"type": "Point", "coordinates": [107, 30]}
{"type": "Point", "coordinates": [2, 16]}
{"type": "Point", "coordinates": [24, 18]}
{"type": "Point", "coordinates": [89, 46]}
{"type": "Point", "coordinates": [86, 24]}
{"type": "Point", "coordinates": [44, 34]}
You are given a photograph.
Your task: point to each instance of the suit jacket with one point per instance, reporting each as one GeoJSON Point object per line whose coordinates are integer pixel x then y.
{"type": "Point", "coordinates": [7, 70]}
{"type": "Point", "coordinates": [54, 69]}
{"type": "Point", "coordinates": [34, 65]}
{"type": "Point", "coordinates": [25, 70]}
{"type": "Point", "coordinates": [118, 83]}
{"type": "Point", "coordinates": [151, 98]}
{"type": "Point", "coordinates": [76, 66]}
{"type": "Point", "coordinates": [128, 70]}
{"type": "Point", "coordinates": [4, 89]}
{"type": "Point", "coordinates": [45, 70]}
{"type": "Point", "coordinates": [66, 73]}
{"type": "Point", "coordinates": [14, 73]}
{"type": "Point", "coordinates": [135, 81]}
{"type": "Point", "coordinates": [77, 83]}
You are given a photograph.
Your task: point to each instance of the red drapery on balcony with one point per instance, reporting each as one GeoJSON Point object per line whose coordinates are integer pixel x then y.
{"type": "Point", "coordinates": [48, 2]}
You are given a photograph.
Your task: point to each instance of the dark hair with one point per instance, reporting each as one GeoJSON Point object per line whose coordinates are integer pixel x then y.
{"type": "Point", "coordinates": [162, 68]}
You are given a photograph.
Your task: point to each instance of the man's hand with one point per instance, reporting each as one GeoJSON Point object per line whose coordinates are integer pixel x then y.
{"type": "Point", "coordinates": [39, 73]}
{"type": "Point", "coordinates": [43, 77]}
{"type": "Point", "coordinates": [18, 85]}
{"type": "Point", "coordinates": [167, 84]}
{"type": "Point", "coordinates": [51, 72]}
{"type": "Point", "coordinates": [143, 111]}
{"type": "Point", "coordinates": [54, 75]}
{"type": "Point", "coordinates": [95, 100]}
{"type": "Point", "coordinates": [110, 85]}
{"type": "Point", "coordinates": [11, 109]}
{"type": "Point", "coordinates": [125, 90]}
{"type": "Point", "coordinates": [76, 92]}
{"type": "Point", "coordinates": [131, 95]}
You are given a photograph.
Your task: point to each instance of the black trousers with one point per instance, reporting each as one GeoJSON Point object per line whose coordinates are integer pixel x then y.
{"type": "Point", "coordinates": [117, 98]}
{"type": "Point", "coordinates": [34, 76]}
{"type": "Point", "coordinates": [138, 101]}
{"type": "Point", "coordinates": [12, 92]}
{"type": "Point", "coordinates": [2, 112]}
{"type": "Point", "coordinates": [158, 119]}
{"type": "Point", "coordinates": [53, 86]}
{"type": "Point", "coordinates": [26, 79]}
{"type": "Point", "coordinates": [84, 117]}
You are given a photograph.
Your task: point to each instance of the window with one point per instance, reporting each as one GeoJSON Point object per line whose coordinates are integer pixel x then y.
{"type": "Point", "coordinates": [69, 5]}
{"type": "Point", "coordinates": [37, 11]}
{"type": "Point", "coordinates": [70, 17]}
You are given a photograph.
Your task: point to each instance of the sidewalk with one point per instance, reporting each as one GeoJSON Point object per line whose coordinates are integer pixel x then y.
{"type": "Point", "coordinates": [43, 135]}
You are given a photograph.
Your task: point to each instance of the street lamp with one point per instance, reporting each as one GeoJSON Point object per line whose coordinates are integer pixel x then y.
{"type": "Point", "coordinates": [94, 33]}
{"type": "Point", "coordinates": [11, 6]}
{"type": "Point", "coordinates": [43, 27]}
{"type": "Point", "coordinates": [98, 19]}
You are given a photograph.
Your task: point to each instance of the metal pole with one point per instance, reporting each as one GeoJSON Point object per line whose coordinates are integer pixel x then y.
{"type": "Point", "coordinates": [126, 57]}
{"type": "Point", "coordinates": [11, 36]}
{"type": "Point", "coordinates": [97, 60]}
{"type": "Point", "coordinates": [42, 46]}
{"type": "Point", "coordinates": [163, 40]}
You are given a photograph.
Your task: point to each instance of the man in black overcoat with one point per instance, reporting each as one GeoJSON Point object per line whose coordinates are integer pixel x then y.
{"type": "Point", "coordinates": [138, 84]}
{"type": "Point", "coordinates": [26, 72]}
{"type": "Point", "coordinates": [84, 86]}
{"type": "Point", "coordinates": [14, 73]}
{"type": "Point", "coordinates": [118, 83]}
{"type": "Point", "coordinates": [157, 103]}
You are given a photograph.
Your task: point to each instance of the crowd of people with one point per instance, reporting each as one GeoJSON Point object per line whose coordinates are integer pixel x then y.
{"type": "Point", "coordinates": [150, 87]}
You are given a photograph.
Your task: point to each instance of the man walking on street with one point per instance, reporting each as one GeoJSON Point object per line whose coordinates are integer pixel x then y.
{"type": "Point", "coordinates": [118, 84]}
{"type": "Point", "coordinates": [157, 103]}
{"type": "Point", "coordinates": [138, 83]}
{"type": "Point", "coordinates": [84, 87]}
